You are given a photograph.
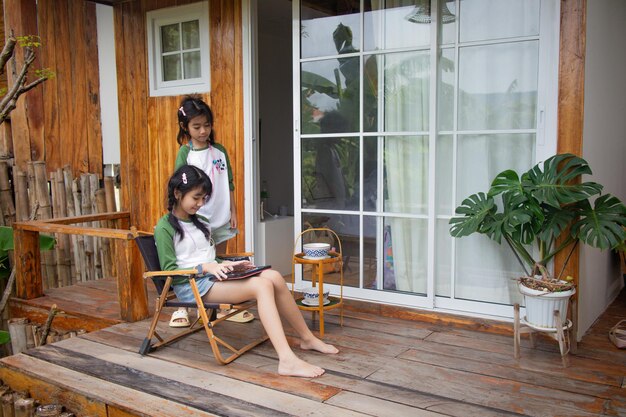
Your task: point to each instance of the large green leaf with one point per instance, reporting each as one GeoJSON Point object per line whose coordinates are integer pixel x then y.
{"type": "Point", "coordinates": [475, 210]}
{"type": "Point", "coordinates": [556, 221]}
{"type": "Point", "coordinates": [555, 184]}
{"type": "Point", "coordinates": [506, 182]}
{"type": "Point", "coordinates": [603, 225]}
{"type": "Point", "coordinates": [315, 82]}
{"type": "Point", "coordinates": [5, 337]}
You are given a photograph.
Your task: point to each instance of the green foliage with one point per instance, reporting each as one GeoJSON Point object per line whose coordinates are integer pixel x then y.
{"type": "Point", "coordinates": [45, 73]}
{"type": "Point", "coordinates": [6, 244]}
{"type": "Point", "coordinates": [29, 41]}
{"type": "Point", "coordinates": [541, 205]}
{"type": "Point", "coordinates": [5, 337]}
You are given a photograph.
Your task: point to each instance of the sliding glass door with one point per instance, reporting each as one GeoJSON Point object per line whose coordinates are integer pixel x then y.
{"type": "Point", "coordinates": [405, 108]}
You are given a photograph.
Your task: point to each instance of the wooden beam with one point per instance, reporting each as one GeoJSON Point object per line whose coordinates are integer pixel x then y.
{"type": "Point", "coordinates": [28, 282]}
{"type": "Point", "coordinates": [571, 98]}
{"type": "Point", "coordinates": [43, 227]}
{"type": "Point", "coordinates": [130, 285]}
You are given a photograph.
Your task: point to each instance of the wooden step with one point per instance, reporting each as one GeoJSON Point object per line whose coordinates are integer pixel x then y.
{"type": "Point", "coordinates": [82, 394]}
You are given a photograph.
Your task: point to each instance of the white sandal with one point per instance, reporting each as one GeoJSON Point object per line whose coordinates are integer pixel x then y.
{"type": "Point", "coordinates": [180, 318]}
{"type": "Point", "coordinates": [617, 334]}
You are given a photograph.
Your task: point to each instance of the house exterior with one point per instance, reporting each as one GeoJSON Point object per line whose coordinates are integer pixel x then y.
{"type": "Point", "coordinates": [396, 111]}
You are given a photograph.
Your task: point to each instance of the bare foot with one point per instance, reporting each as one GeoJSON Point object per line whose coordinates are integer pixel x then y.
{"type": "Point", "coordinates": [317, 344]}
{"type": "Point", "coordinates": [298, 367]}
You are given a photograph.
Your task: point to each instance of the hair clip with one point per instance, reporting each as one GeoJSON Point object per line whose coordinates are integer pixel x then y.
{"type": "Point", "coordinates": [182, 111]}
{"type": "Point", "coordinates": [184, 178]}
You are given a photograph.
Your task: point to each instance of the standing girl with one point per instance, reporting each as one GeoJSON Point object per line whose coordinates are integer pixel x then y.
{"type": "Point", "coordinates": [184, 241]}
{"type": "Point", "coordinates": [198, 148]}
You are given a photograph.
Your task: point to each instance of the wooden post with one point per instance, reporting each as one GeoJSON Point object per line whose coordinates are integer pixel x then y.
{"type": "Point", "coordinates": [111, 206]}
{"type": "Point", "coordinates": [28, 282]}
{"type": "Point", "coordinates": [6, 195]}
{"type": "Point", "coordinates": [105, 244]}
{"type": "Point", "coordinates": [20, 183]}
{"type": "Point", "coordinates": [130, 284]}
{"type": "Point", "coordinates": [42, 196]}
{"type": "Point", "coordinates": [85, 207]}
{"type": "Point", "coordinates": [94, 186]}
{"type": "Point", "coordinates": [63, 240]}
{"type": "Point", "coordinates": [76, 197]}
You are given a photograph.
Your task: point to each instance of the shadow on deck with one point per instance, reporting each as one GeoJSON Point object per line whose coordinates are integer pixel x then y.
{"type": "Point", "coordinates": [387, 366]}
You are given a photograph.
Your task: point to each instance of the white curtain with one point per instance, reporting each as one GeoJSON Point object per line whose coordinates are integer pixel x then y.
{"type": "Point", "coordinates": [406, 101]}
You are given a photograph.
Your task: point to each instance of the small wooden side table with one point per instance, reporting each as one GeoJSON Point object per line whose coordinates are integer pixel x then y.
{"type": "Point", "coordinates": [318, 264]}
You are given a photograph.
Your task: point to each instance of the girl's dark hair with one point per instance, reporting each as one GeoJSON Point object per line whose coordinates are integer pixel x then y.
{"type": "Point", "coordinates": [192, 106]}
{"type": "Point", "coordinates": [185, 179]}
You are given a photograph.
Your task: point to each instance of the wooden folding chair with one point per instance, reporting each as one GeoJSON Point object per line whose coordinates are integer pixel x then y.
{"type": "Point", "coordinates": [207, 319]}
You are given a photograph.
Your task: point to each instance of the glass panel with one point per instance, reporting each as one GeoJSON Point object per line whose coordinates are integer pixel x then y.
{"type": "Point", "coordinates": [406, 247]}
{"type": "Point", "coordinates": [443, 258]}
{"type": "Point", "coordinates": [406, 174]}
{"type": "Point", "coordinates": [496, 19]}
{"type": "Point", "coordinates": [485, 271]}
{"type": "Point", "coordinates": [405, 91]}
{"type": "Point", "coordinates": [171, 68]}
{"type": "Point", "coordinates": [393, 24]}
{"type": "Point", "coordinates": [370, 260]}
{"type": "Point", "coordinates": [370, 173]}
{"type": "Point", "coordinates": [191, 34]}
{"type": "Point", "coordinates": [498, 86]}
{"type": "Point", "coordinates": [330, 96]}
{"type": "Point", "coordinates": [329, 28]}
{"type": "Point", "coordinates": [447, 21]}
{"type": "Point", "coordinates": [347, 228]}
{"type": "Point", "coordinates": [446, 90]}
{"type": "Point", "coordinates": [191, 62]}
{"type": "Point", "coordinates": [330, 173]}
{"type": "Point", "coordinates": [443, 176]}
{"type": "Point", "coordinates": [170, 38]}
{"type": "Point", "coordinates": [481, 157]}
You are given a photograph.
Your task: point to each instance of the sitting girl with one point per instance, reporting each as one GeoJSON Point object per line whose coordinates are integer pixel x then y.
{"type": "Point", "coordinates": [184, 241]}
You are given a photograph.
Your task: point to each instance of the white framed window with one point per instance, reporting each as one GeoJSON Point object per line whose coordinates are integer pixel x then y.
{"type": "Point", "coordinates": [178, 50]}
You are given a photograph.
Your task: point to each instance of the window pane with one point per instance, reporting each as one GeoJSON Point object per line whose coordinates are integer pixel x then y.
{"type": "Point", "coordinates": [498, 86]}
{"type": "Point", "coordinates": [443, 258]}
{"type": "Point", "coordinates": [348, 230]}
{"type": "Point", "coordinates": [481, 157]}
{"type": "Point", "coordinates": [191, 61]}
{"type": "Point", "coordinates": [170, 38]}
{"type": "Point", "coordinates": [447, 21]}
{"type": "Point", "coordinates": [405, 255]}
{"type": "Point", "coordinates": [191, 34]}
{"type": "Point", "coordinates": [443, 176]}
{"type": "Point", "coordinates": [394, 25]}
{"type": "Point", "coordinates": [330, 173]}
{"type": "Point", "coordinates": [370, 259]}
{"type": "Point", "coordinates": [498, 19]}
{"type": "Point", "coordinates": [446, 89]}
{"type": "Point", "coordinates": [404, 88]}
{"type": "Point", "coordinates": [370, 173]}
{"type": "Point", "coordinates": [330, 96]}
{"type": "Point", "coordinates": [406, 174]}
{"type": "Point", "coordinates": [329, 28]}
{"type": "Point", "coordinates": [171, 68]}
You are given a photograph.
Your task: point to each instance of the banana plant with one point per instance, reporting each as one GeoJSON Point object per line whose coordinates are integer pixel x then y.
{"type": "Point", "coordinates": [544, 211]}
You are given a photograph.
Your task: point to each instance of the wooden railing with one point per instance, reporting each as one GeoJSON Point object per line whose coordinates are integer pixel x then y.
{"type": "Point", "coordinates": [130, 286]}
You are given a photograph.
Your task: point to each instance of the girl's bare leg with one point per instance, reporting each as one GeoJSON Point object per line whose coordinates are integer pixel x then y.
{"type": "Point", "coordinates": [290, 311]}
{"type": "Point", "coordinates": [262, 290]}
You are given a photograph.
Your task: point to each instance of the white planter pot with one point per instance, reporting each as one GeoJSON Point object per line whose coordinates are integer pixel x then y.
{"type": "Point", "coordinates": [540, 306]}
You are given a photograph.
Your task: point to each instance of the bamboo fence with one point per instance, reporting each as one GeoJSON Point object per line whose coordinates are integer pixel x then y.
{"type": "Point", "coordinates": [75, 258]}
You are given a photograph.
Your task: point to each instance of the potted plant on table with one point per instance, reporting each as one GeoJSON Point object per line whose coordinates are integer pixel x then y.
{"type": "Point", "coordinates": [538, 215]}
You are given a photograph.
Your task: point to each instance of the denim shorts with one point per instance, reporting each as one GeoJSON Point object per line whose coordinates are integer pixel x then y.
{"type": "Point", "coordinates": [184, 293]}
{"type": "Point", "coordinates": [223, 233]}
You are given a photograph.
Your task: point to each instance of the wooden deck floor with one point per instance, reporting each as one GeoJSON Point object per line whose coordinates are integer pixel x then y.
{"type": "Point", "coordinates": [386, 367]}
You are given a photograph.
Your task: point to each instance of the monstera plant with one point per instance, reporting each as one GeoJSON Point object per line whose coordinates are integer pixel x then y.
{"type": "Point", "coordinates": [541, 213]}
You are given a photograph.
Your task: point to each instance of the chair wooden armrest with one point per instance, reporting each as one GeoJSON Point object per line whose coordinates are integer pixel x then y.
{"type": "Point", "coordinates": [179, 272]}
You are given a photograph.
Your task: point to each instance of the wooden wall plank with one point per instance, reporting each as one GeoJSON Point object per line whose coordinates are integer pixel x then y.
{"type": "Point", "coordinates": [79, 153]}
{"type": "Point", "coordinates": [48, 32]}
{"type": "Point", "coordinates": [571, 98]}
{"type": "Point", "coordinates": [93, 119]}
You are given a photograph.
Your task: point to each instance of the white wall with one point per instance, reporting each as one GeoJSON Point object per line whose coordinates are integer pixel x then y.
{"type": "Point", "coordinates": [604, 144]}
{"type": "Point", "coordinates": [108, 85]}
